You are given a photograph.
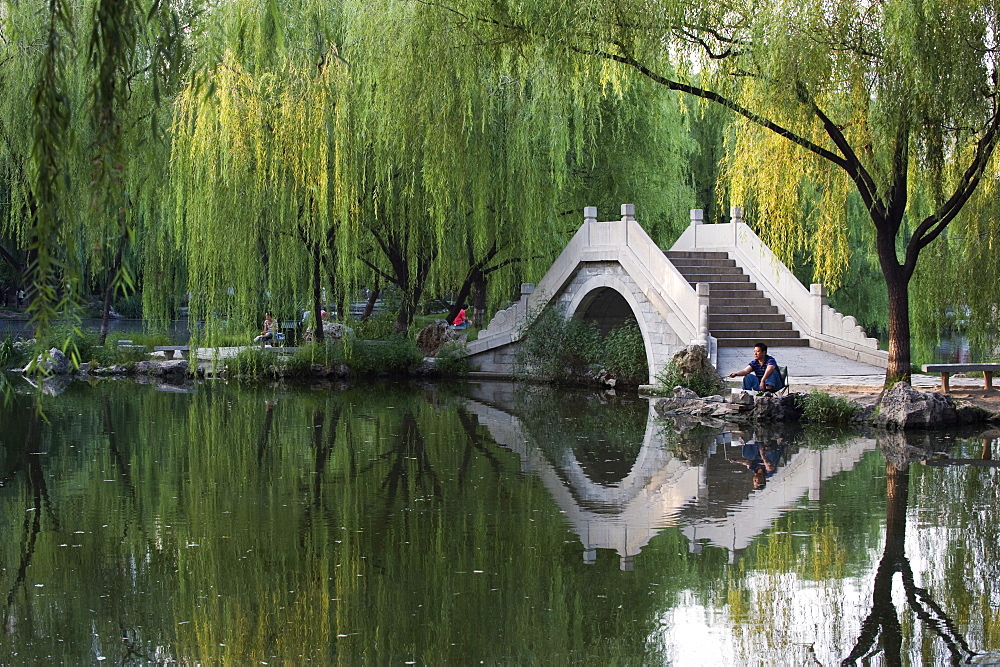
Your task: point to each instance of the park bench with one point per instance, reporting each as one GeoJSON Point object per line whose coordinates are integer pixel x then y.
{"type": "Point", "coordinates": [947, 369]}
{"type": "Point", "coordinates": [129, 345]}
{"type": "Point", "coordinates": [168, 350]}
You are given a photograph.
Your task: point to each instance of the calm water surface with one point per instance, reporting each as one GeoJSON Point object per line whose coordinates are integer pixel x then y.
{"type": "Point", "coordinates": [458, 523]}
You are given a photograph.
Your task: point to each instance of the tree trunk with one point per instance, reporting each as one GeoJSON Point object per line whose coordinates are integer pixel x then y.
{"type": "Point", "coordinates": [462, 298]}
{"type": "Point", "coordinates": [317, 294]}
{"type": "Point", "coordinates": [897, 285]}
{"type": "Point", "coordinates": [109, 288]}
{"type": "Point", "coordinates": [479, 301]}
{"type": "Point", "coordinates": [372, 300]}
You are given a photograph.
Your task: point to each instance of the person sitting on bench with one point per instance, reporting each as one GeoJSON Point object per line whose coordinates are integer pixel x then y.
{"type": "Point", "coordinates": [761, 374]}
{"type": "Point", "coordinates": [268, 333]}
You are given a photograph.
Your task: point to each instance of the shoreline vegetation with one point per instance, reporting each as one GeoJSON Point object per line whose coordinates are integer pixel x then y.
{"type": "Point", "coordinates": [687, 386]}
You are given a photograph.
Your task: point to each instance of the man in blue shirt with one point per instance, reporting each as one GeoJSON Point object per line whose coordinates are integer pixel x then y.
{"type": "Point", "coordinates": [761, 374]}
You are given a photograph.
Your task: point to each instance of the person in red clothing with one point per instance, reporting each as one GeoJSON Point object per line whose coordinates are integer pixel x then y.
{"type": "Point", "coordinates": [460, 321]}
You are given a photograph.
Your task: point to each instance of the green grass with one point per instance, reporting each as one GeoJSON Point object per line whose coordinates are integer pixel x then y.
{"type": "Point", "coordinates": [822, 407]}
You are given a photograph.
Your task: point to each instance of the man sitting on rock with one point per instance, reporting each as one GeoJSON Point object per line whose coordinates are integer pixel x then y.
{"type": "Point", "coordinates": [761, 374]}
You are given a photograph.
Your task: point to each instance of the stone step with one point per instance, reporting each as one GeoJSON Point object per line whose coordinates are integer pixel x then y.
{"type": "Point", "coordinates": [770, 342]}
{"type": "Point", "coordinates": [713, 278]}
{"type": "Point", "coordinates": [728, 295]}
{"type": "Point", "coordinates": [715, 319]}
{"type": "Point", "coordinates": [690, 263]}
{"type": "Point", "coordinates": [694, 254]}
{"type": "Point", "coordinates": [744, 289]}
{"type": "Point", "coordinates": [747, 323]}
{"type": "Point", "coordinates": [764, 335]}
{"type": "Point", "coordinates": [758, 304]}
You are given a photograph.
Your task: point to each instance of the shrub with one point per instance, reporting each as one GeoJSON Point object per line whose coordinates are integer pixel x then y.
{"type": "Point", "coordinates": [396, 356]}
{"type": "Point", "coordinates": [452, 359]}
{"type": "Point", "coordinates": [129, 306]}
{"type": "Point", "coordinates": [251, 363]}
{"type": "Point", "coordinates": [329, 353]}
{"type": "Point", "coordinates": [7, 354]}
{"type": "Point", "coordinates": [380, 326]}
{"type": "Point", "coordinates": [624, 354]}
{"type": "Point", "coordinates": [820, 407]}
{"type": "Point", "coordinates": [705, 382]}
{"type": "Point", "coordinates": [557, 349]}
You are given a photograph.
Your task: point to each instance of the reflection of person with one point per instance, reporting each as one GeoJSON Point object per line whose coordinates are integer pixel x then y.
{"type": "Point", "coordinates": [761, 461]}
{"type": "Point", "coordinates": [268, 331]}
{"type": "Point", "coordinates": [460, 321]}
{"type": "Point", "coordinates": [761, 374]}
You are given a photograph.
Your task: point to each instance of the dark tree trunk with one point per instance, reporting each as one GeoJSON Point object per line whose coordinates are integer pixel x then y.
{"type": "Point", "coordinates": [462, 298]}
{"type": "Point", "coordinates": [897, 280]}
{"type": "Point", "coordinates": [109, 289]}
{"type": "Point", "coordinates": [317, 285]}
{"type": "Point", "coordinates": [372, 300]}
{"type": "Point", "coordinates": [883, 621]}
{"type": "Point", "coordinates": [479, 302]}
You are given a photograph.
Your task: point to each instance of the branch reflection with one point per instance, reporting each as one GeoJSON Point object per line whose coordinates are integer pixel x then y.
{"type": "Point", "coordinates": [882, 624]}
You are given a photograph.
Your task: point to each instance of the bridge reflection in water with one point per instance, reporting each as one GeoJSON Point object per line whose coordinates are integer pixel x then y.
{"type": "Point", "coordinates": [699, 486]}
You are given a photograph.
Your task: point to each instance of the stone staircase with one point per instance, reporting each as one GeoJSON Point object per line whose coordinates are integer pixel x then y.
{"type": "Point", "coordinates": [739, 314]}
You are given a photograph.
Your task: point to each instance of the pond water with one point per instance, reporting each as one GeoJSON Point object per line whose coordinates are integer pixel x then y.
{"type": "Point", "coordinates": [467, 522]}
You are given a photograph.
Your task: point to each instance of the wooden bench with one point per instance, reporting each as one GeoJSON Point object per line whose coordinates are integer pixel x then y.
{"type": "Point", "coordinates": [947, 369]}
{"type": "Point", "coordinates": [168, 350]}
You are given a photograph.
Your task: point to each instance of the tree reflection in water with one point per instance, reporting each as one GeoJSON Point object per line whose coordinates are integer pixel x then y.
{"type": "Point", "coordinates": [882, 623]}
{"type": "Point", "coordinates": [30, 465]}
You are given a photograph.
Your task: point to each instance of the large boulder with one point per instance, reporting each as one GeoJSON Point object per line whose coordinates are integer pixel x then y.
{"type": "Point", "coordinates": [692, 360]}
{"type": "Point", "coordinates": [693, 369]}
{"type": "Point", "coordinates": [52, 363]}
{"type": "Point", "coordinates": [432, 338]}
{"type": "Point", "coordinates": [777, 408]}
{"type": "Point", "coordinates": [902, 407]}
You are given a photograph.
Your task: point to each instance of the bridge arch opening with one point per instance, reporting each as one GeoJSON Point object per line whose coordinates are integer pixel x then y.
{"type": "Point", "coordinates": [609, 309]}
{"type": "Point", "coordinates": [606, 308]}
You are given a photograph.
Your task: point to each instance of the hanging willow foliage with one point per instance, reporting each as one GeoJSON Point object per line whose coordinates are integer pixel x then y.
{"type": "Point", "coordinates": [256, 180]}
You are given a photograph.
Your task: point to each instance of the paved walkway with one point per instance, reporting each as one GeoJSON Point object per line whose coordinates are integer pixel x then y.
{"type": "Point", "coordinates": [809, 367]}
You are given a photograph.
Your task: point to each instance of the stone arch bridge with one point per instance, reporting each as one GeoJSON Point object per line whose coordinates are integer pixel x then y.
{"type": "Point", "coordinates": [717, 286]}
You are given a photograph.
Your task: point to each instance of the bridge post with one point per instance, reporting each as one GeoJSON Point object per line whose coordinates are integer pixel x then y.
{"type": "Point", "coordinates": [697, 218]}
{"type": "Point", "coordinates": [818, 293]}
{"type": "Point", "coordinates": [589, 214]}
{"type": "Point", "coordinates": [628, 212]}
{"type": "Point", "coordinates": [702, 291]}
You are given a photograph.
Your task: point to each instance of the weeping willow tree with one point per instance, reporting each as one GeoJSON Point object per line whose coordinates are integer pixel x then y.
{"type": "Point", "coordinates": [480, 162]}
{"type": "Point", "coordinates": [258, 164]}
{"type": "Point", "coordinates": [80, 149]}
{"type": "Point", "coordinates": [465, 158]}
{"type": "Point", "coordinates": [893, 102]}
